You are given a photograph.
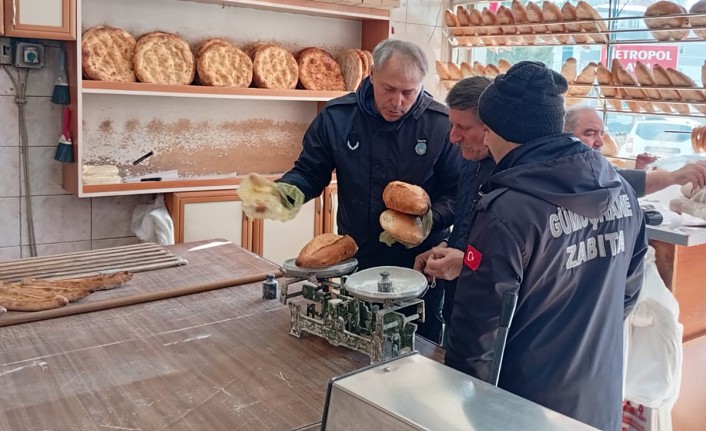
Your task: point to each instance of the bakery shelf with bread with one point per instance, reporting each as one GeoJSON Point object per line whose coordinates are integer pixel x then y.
{"type": "Point", "coordinates": [145, 89]}
{"type": "Point", "coordinates": [229, 93]}
{"type": "Point", "coordinates": [550, 24]}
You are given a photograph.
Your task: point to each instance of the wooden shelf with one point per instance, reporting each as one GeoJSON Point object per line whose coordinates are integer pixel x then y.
{"type": "Point", "coordinates": [142, 89]}
{"type": "Point", "coordinates": [307, 7]}
{"type": "Point", "coordinates": [186, 184]}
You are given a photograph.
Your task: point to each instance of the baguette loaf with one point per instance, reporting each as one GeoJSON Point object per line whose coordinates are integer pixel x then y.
{"type": "Point", "coordinates": [403, 227]}
{"type": "Point", "coordinates": [698, 8]}
{"type": "Point", "coordinates": [406, 198]}
{"type": "Point", "coordinates": [667, 8]}
{"type": "Point", "coordinates": [325, 250]}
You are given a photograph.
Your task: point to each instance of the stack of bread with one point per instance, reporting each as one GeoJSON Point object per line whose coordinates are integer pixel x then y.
{"type": "Point", "coordinates": [449, 72]}
{"type": "Point", "coordinates": [326, 250]}
{"type": "Point", "coordinates": [405, 203]}
{"type": "Point", "coordinates": [355, 65]}
{"type": "Point", "coordinates": [112, 54]}
{"type": "Point", "coordinates": [519, 24]}
{"type": "Point", "coordinates": [579, 86]}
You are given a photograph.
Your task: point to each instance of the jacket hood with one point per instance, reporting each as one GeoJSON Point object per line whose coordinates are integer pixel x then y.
{"type": "Point", "coordinates": [547, 169]}
{"type": "Point", "coordinates": [366, 101]}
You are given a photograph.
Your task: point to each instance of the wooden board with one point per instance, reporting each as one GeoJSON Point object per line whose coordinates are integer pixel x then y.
{"type": "Point", "coordinates": [216, 360]}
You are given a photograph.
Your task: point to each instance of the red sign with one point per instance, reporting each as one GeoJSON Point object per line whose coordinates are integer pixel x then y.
{"type": "Point", "coordinates": [472, 258]}
{"type": "Point", "coordinates": [493, 6]}
{"type": "Point", "coordinates": [665, 56]}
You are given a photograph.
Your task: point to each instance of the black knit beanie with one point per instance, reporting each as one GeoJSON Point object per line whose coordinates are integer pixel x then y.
{"type": "Point", "coordinates": [524, 104]}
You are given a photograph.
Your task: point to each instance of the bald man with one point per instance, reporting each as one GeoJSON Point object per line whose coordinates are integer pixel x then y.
{"type": "Point", "coordinates": [585, 124]}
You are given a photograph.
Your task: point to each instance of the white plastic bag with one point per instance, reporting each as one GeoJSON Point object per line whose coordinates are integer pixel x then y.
{"type": "Point", "coordinates": [152, 222]}
{"type": "Point", "coordinates": [654, 348]}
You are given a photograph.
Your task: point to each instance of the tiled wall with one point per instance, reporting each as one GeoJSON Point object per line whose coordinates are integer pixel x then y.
{"type": "Point", "coordinates": [62, 222]}
{"type": "Point", "coordinates": [421, 21]}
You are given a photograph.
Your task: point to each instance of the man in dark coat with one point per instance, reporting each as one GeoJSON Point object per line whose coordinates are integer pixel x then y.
{"type": "Point", "coordinates": [560, 227]}
{"type": "Point", "coordinates": [389, 129]}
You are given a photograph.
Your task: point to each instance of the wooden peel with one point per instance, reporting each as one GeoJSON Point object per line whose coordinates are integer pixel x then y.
{"type": "Point", "coordinates": [89, 307]}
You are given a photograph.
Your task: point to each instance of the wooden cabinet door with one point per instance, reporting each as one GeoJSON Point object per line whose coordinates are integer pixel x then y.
{"type": "Point", "coordinates": [208, 215]}
{"type": "Point", "coordinates": [278, 241]}
{"type": "Point", "coordinates": [42, 19]}
{"type": "Point", "coordinates": [331, 209]}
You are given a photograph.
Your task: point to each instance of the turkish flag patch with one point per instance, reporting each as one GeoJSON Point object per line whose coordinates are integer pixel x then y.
{"type": "Point", "coordinates": [472, 258]}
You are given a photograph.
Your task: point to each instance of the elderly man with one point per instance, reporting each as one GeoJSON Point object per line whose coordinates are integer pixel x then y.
{"type": "Point", "coordinates": [585, 124]}
{"type": "Point", "coordinates": [389, 129]}
{"type": "Point", "coordinates": [467, 132]}
{"type": "Point", "coordinates": [556, 225]}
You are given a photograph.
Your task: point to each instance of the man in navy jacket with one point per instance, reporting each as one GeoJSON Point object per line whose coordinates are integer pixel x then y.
{"type": "Point", "coordinates": [389, 129]}
{"type": "Point", "coordinates": [556, 224]}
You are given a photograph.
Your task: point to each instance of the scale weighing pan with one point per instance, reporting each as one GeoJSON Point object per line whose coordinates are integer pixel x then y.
{"type": "Point", "coordinates": [398, 284]}
{"type": "Point", "coordinates": [347, 266]}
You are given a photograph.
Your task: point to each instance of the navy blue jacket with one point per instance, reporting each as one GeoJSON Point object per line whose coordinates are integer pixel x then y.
{"type": "Point", "coordinates": [367, 152]}
{"type": "Point", "coordinates": [558, 225]}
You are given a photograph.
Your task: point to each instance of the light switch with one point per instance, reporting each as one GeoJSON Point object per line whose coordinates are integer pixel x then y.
{"type": "Point", "coordinates": [29, 55]}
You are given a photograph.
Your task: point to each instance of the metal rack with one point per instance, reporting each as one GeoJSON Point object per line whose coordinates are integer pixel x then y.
{"type": "Point", "coordinates": [605, 35]}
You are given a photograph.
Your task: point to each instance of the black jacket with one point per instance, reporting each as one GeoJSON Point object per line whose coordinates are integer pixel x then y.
{"type": "Point", "coordinates": [367, 152]}
{"type": "Point", "coordinates": [560, 226]}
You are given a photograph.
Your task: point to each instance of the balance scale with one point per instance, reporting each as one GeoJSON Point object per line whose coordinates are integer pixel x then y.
{"type": "Point", "coordinates": [371, 311]}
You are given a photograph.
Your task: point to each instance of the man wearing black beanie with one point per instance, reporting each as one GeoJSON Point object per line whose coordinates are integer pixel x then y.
{"type": "Point", "coordinates": [557, 225]}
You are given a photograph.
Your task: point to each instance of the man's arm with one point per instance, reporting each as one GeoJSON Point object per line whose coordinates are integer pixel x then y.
{"type": "Point", "coordinates": [312, 171]}
{"type": "Point", "coordinates": [496, 256]}
{"type": "Point", "coordinates": [447, 169]}
{"type": "Point", "coordinates": [694, 173]}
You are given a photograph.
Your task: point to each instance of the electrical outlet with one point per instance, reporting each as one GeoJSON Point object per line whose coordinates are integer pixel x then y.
{"type": "Point", "coordinates": [29, 55]}
{"type": "Point", "coordinates": [5, 50]}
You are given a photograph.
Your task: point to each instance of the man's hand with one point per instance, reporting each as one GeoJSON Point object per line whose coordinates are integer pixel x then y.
{"type": "Point", "coordinates": [444, 263]}
{"type": "Point", "coordinates": [420, 262]}
{"type": "Point", "coordinates": [694, 173]}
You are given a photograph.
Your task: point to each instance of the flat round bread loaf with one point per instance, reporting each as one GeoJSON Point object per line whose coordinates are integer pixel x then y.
{"type": "Point", "coordinates": [274, 67]}
{"type": "Point", "coordinates": [666, 8]}
{"type": "Point", "coordinates": [352, 69]}
{"type": "Point", "coordinates": [366, 62]}
{"type": "Point", "coordinates": [454, 71]}
{"type": "Point", "coordinates": [519, 15]}
{"type": "Point", "coordinates": [220, 63]}
{"type": "Point", "coordinates": [319, 71]}
{"type": "Point", "coordinates": [106, 54]}
{"type": "Point", "coordinates": [467, 69]}
{"type": "Point", "coordinates": [164, 58]}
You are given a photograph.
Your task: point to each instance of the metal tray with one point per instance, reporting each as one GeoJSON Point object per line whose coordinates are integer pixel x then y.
{"type": "Point", "coordinates": [406, 284]}
{"type": "Point", "coordinates": [290, 269]}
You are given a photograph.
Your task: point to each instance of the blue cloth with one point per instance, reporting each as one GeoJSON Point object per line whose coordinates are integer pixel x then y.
{"type": "Point", "coordinates": [558, 225]}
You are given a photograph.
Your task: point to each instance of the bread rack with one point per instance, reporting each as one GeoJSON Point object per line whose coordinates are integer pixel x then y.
{"type": "Point", "coordinates": [456, 39]}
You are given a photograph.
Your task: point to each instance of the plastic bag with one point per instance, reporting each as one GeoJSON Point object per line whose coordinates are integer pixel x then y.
{"type": "Point", "coordinates": [426, 220]}
{"type": "Point", "coordinates": [263, 198]}
{"type": "Point", "coordinates": [152, 222]}
{"type": "Point", "coordinates": [654, 346]}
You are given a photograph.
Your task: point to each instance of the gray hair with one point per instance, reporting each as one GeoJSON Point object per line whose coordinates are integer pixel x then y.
{"type": "Point", "coordinates": [465, 93]}
{"type": "Point", "coordinates": [572, 116]}
{"type": "Point", "coordinates": [412, 53]}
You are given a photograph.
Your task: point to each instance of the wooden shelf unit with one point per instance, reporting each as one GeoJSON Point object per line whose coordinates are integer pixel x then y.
{"type": "Point", "coordinates": [363, 27]}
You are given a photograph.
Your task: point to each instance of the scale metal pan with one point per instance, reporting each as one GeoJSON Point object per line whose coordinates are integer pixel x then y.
{"type": "Point", "coordinates": [290, 269]}
{"type": "Point", "coordinates": [406, 284]}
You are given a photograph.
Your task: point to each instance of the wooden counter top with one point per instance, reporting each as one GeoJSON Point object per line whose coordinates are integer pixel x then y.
{"type": "Point", "coordinates": [215, 360]}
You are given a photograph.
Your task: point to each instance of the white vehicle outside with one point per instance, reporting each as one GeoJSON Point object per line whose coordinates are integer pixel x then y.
{"type": "Point", "coordinates": [660, 137]}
